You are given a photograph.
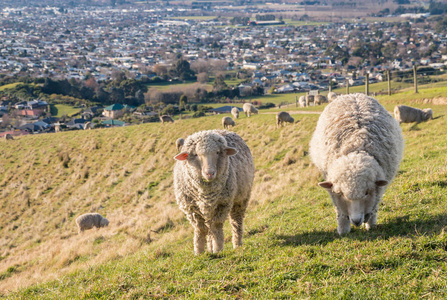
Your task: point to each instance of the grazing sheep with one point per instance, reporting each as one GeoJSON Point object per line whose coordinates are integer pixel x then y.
{"type": "Point", "coordinates": [90, 220]}
{"type": "Point", "coordinates": [213, 177]}
{"type": "Point", "coordinates": [8, 136]}
{"type": "Point", "coordinates": [282, 118]}
{"type": "Point", "coordinates": [310, 99]}
{"type": "Point", "coordinates": [249, 109]}
{"type": "Point", "coordinates": [88, 126]}
{"type": "Point", "coordinates": [407, 114]}
{"type": "Point", "coordinates": [331, 96]}
{"type": "Point", "coordinates": [166, 118]}
{"type": "Point", "coordinates": [320, 99]}
{"type": "Point", "coordinates": [302, 101]}
{"type": "Point", "coordinates": [358, 146]}
{"type": "Point", "coordinates": [179, 143]}
{"type": "Point", "coordinates": [235, 112]}
{"type": "Point", "coordinates": [227, 122]}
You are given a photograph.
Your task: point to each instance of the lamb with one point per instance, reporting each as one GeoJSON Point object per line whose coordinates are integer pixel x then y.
{"type": "Point", "coordinates": [227, 122]}
{"type": "Point", "coordinates": [407, 114]}
{"type": "Point", "coordinates": [90, 220]}
{"type": "Point", "coordinates": [8, 136]}
{"type": "Point", "coordinates": [235, 112]}
{"type": "Point", "coordinates": [282, 118]}
{"type": "Point", "coordinates": [302, 101]}
{"type": "Point", "coordinates": [310, 99]}
{"type": "Point", "coordinates": [249, 109]}
{"type": "Point", "coordinates": [358, 146]}
{"type": "Point", "coordinates": [179, 143]}
{"type": "Point", "coordinates": [213, 178]}
{"type": "Point", "coordinates": [320, 99]}
{"type": "Point", "coordinates": [166, 118]}
{"type": "Point", "coordinates": [331, 96]}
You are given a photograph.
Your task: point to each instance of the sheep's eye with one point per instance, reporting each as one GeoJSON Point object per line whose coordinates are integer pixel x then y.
{"type": "Point", "coordinates": [218, 152]}
{"type": "Point", "coordinates": [366, 193]}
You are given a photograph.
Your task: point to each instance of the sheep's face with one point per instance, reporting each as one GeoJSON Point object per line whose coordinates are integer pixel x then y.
{"type": "Point", "coordinates": [355, 185]}
{"type": "Point", "coordinates": [104, 222]}
{"type": "Point", "coordinates": [208, 157]}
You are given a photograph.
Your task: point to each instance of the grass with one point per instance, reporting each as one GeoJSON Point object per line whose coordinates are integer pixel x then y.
{"type": "Point", "coordinates": [58, 110]}
{"type": "Point", "coordinates": [291, 248]}
{"type": "Point", "coordinates": [9, 86]}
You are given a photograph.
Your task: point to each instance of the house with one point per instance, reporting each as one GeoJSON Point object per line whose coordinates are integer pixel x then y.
{"type": "Point", "coordinates": [113, 123]}
{"type": "Point", "coordinates": [116, 110]}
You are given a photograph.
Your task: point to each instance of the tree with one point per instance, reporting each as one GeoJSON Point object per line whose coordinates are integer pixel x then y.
{"type": "Point", "coordinates": [160, 70]}
{"type": "Point", "coordinates": [219, 83]}
{"type": "Point", "coordinates": [182, 69]}
{"type": "Point", "coordinates": [202, 77]}
{"type": "Point", "coordinates": [140, 96]}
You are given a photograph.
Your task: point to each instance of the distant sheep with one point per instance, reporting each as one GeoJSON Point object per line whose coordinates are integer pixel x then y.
{"type": "Point", "coordinates": [227, 122]}
{"type": "Point", "coordinates": [310, 99]}
{"type": "Point", "coordinates": [90, 220]}
{"type": "Point", "coordinates": [320, 99]}
{"type": "Point", "coordinates": [358, 146]}
{"type": "Point", "coordinates": [213, 177]}
{"type": "Point", "coordinates": [88, 125]}
{"type": "Point", "coordinates": [166, 118]}
{"type": "Point", "coordinates": [235, 112]}
{"type": "Point", "coordinates": [302, 101]}
{"type": "Point", "coordinates": [8, 136]}
{"type": "Point", "coordinates": [249, 109]}
{"type": "Point", "coordinates": [179, 143]}
{"type": "Point", "coordinates": [407, 114]}
{"type": "Point", "coordinates": [282, 118]}
{"type": "Point", "coordinates": [331, 96]}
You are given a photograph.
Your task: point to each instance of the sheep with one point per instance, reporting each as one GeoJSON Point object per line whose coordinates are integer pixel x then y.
{"type": "Point", "coordinates": [249, 109]}
{"type": "Point", "coordinates": [213, 178]}
{"type": "Point", "coordinates": [302, 101]}
{"type": "Point", "coordinates": [90, 220]}
{"type": "Point", "coordinates": [166, 118]}
{"type": "Point", "coordinates": [179, 143]}
{"type": "Point", "coordinates": [358, 146]}
{"type": "Point", "coordinates": [331, 96]}
{"type": "Point", "coordinates": [8, 136]}
{"type": "Point", "coordinates": [88, 126]}
{"type": "Point", "coordinates": [310, 99]}
{"type": "Point", "coordinates": [320, 99]}
{"type": "Point", "coordinates": [235, 112]}
{"type": "Point", "coordinates": [282, 118]}
{"type": "Point", "coordinates": [407, 114]}
{"type": "Point", "coordinates": [227, 122]}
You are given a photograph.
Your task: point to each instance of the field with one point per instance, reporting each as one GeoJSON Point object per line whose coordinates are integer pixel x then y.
{"type": "Point", "coordinates": [58, 110]}
{"type": "Point", "coordinates": [291, 248]}
{"type": "Point", "coordinates": [9, 86]}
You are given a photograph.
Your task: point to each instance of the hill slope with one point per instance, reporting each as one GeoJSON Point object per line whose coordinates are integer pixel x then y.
{"type": "Point", "coordinates": [291, 247]}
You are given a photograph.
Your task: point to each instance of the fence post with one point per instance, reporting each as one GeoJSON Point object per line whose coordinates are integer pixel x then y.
{"type": "Point", "coordinates": [389, 82]}
{"type": "Point", "coordinates": [367, 84]}
{"type": "Point", "coordinates": [330, 87]}
{"type": "Point", "coordinates": [415, 79]}
{"type": "Point", "coordinates": [296, 101]}
{"type": "Point", "coordinates": [347, 86]}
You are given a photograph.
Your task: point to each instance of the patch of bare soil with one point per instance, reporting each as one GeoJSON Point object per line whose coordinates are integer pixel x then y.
{"type": "Point", "coordinates": [434, 101]}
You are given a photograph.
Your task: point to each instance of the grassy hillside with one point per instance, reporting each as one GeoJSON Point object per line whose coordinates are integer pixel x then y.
{"type": "Point", "coordinates": [291, 248]}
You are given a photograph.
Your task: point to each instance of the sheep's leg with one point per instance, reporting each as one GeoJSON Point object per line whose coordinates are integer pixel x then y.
{"type": "Point", "coordinates": [372, 221]}
{"type": "Point", "coordinates": [200, 233]}
{"type": "Point", "coordinates": [209, 241]}
{"type": "Point", "coordinates": [343, 223]}
{"type": "Point", "coordinates": [217, 236]}
{"type": "Point", "coordinates": [237, 224]}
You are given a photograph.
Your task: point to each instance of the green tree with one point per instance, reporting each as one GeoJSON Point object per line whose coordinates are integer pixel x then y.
{"type": "Point", "coordinates": [182, 69]}
{"type": "Point", "coordinates": [219, 83]}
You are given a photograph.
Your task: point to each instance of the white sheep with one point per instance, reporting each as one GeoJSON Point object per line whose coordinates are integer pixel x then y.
{"type": "Point", "coordinates": [179, 143]}
{"type": "Point", "coordinates": [90, 220]}
{"type": "Point", "coordinates": [235, 112]}
{"type": "Point", "coordinates": [282, 118]}
{"type": "Point", "coordinates": [331, 96]}
{"type": "Point", "coordinates": [310, 99]}
{"type": "Point", "coordinates": [320, 99]}
{"type": "Point", "coordinates": [358, 146]}
{"type": "Point", "coordinates": [227, 122]}
{"type": "Point", "coordinates": [302, 101]}
{"type": "Point", "coordinates": [166, 118]}
{"type": "Point", "coordinates": [407, 114]}
{"type": "Point", "coordinates": [213, 177]}
{"type": "Point", "coordinates": [249, 109]}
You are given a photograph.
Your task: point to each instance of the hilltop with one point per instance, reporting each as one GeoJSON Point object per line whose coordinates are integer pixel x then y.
{"type": "Point", "coordinates": [291, 246]}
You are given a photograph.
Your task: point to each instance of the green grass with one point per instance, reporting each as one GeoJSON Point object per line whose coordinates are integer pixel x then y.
{"type": "Point", "coordinates": [9, 86]}
{"type": "Point", "coordinates": [58, 110]}
{"type": "Point", "coordinates": [291, 248]}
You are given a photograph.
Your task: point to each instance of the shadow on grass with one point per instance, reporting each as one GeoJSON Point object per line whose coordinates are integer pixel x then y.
{"type": "Point", "coordinates": [401, 226]}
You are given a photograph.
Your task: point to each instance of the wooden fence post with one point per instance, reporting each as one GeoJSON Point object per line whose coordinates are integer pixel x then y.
{"type": "Point", "coordinates": [415, 79]}
{"type": "Point", "coordinates": [389, 82]}
{"type": "Point", "coordinates": [367, 84]}
{"type": "Point", "coordinates": [347, 86]}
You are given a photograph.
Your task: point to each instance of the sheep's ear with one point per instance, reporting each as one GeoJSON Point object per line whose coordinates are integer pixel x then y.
{"type": "Point", "coordinates": [381, 182]}
{"type": "Point", "coordinates": [326, 184]}
{"type": "Point", "coordinates": [230, 151]}
{"type": "Point", "coordinates": [181, 156]}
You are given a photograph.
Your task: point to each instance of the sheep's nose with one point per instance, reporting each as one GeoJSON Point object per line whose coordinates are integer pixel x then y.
{"type": "Point", "coordinates": [357, 221]}
{"type": "Point", "coordinates": [209, 175]}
